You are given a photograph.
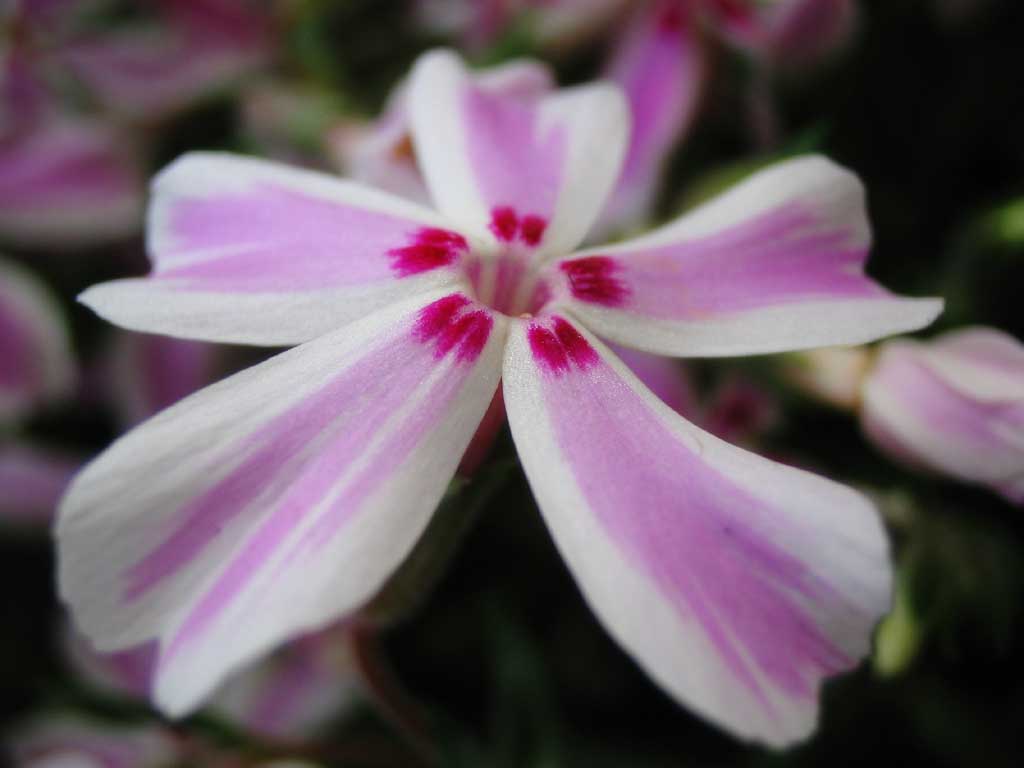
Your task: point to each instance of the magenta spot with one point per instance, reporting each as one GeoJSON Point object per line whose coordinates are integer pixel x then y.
{"type": "Point", "coordinates": [444, 323]}
{"type": "Point", "coordinates": [672, 17]}
{"type": "Point", "coordinates": [475, 337]}
{"type": "Point", "coordinates": [430, 248]}
{"type": "Point", "coordinates": [504, 223]}
{"type": "Point", "coordinates": [531, 229]}
{"type": "Point", "coordinates": [547, 349]}
{"type": "Point", "coordinates": [592, 279]}
{"type": "Point", "coordinates": [556, 349]}
{"type": "Point", "coordinates": [578, 349]}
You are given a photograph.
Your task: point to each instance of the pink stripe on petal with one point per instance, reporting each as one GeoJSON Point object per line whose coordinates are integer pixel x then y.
{"type": "Point", "coordinates": [778, 257]}
{"type": "Point", "coordinates": [774, 264]}
{"type": "Point", "coordinates": [517, 162]}
{"type": "Point", "coordinates": [254, 252]}
{"type": "Point", "coordinates": [947, 407]}
{"type": "Point", "coordinates": [461, 333]}
{"type": "Point", "coordinates": [274, 447]}
{"type": "Point", "coordinates": [356, 434]}
{"type": "Point", "coordinates": [276, 239]}
{"type": "Point", "coordinates": [515, 167]}
{"type": "Point", "coordinates": [738, 583]}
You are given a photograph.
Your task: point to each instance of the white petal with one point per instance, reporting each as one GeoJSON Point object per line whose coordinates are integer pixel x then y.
{"type": "Point", "coordinates": [774, 264]}
{"type": "Point", "coordinates": [254, 252]}
{"type": "Point", "coordinates": [279, 499]}
{"type": "Point", "coordinates": [536, 171]}
{"type": "Point", "coordinates": [737, 583]}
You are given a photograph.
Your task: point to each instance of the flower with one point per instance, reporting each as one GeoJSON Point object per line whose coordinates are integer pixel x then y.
{"type": "Point", "coordinates": [147, 69]}
{"type": "Point", "coordinates": [282, 498]}
{"type": "Point", "coordinates": [36, 364]}
{"type": "Point", "coordinates": [65, 178]}
{"type": "Point", "coordinates": [954, 405]}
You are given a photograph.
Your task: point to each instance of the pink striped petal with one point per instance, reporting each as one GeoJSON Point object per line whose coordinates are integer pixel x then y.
{"type": "Point", "coordinates": [32, 480]}
{"type": "Point", "coordinates": [254, 252]}
{"type": "Point", "coordinates": [69, 183]}
{"type": "Point", "coordinates": [737, 583]}
{"type": "Point", "coordinates": [36, 364]}
{"type": "Point", "coordinates": [382, 154]}
{"type": "Point", "coordinates": [954, 405]}
{"type": "Point", "coordinates": [531, 172]}
{"type": "Point", "coordinates": [148, 70]}
{"type": "Point", "coordinates": [279, 499]}
{"type": "Point", "coordinates": [665, 377]}
{"type": "Point", "coordinates": [660, 65]}
{"type": "Point", "coordinates": [774, 264]}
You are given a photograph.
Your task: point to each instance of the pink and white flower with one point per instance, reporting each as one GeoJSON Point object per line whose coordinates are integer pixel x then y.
{"type": "Point", "coordinates": [151, 68]}
{"type": "Point", "coordinates": [36, 364]}
{"type": "Point", "coordinates": [282, 498]}
{"type": "Point", "coordinates": [954, 405]}
{"type": "Point", "coordinates": [65, 179]}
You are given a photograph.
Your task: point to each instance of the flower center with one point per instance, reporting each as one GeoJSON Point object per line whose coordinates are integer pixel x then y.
{"type": "Point", "coordinates": [508, 281]}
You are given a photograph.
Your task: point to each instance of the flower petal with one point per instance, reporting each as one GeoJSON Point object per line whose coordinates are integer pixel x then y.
{"type": "Point", "coordinates": [737, 583]}
{"type": "Point", "coordinates": [36, 363]}
{"type": "Point", "coordinates": [69, 184]}
{"type": "Point", "coordinates": [148, 70]}
{"type": "Point", "coordinates": [526, 170]}
{"type": "Point", "coordinates": [659, 62]}
{"type": "Point", "coordinates": [381, 153]}
{"type": "Point", "coordinates": [254, 252]}
{"type": "Point", "coordinates": [774, 264]}
{"type": "Point", "coordinates": [955, 406]}
{"type": "Point", "coordinates": [279, 499]}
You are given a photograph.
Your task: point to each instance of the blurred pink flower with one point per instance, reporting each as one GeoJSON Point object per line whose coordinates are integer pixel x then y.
{"type": "Point", "coordinates": [151, 68]}
{"type": "Point", "coordinates": [36, 363]}
{"type": "Point", "coordinates": [66, 180]}
{"type": "Point", "coordinates": [953, 405]}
